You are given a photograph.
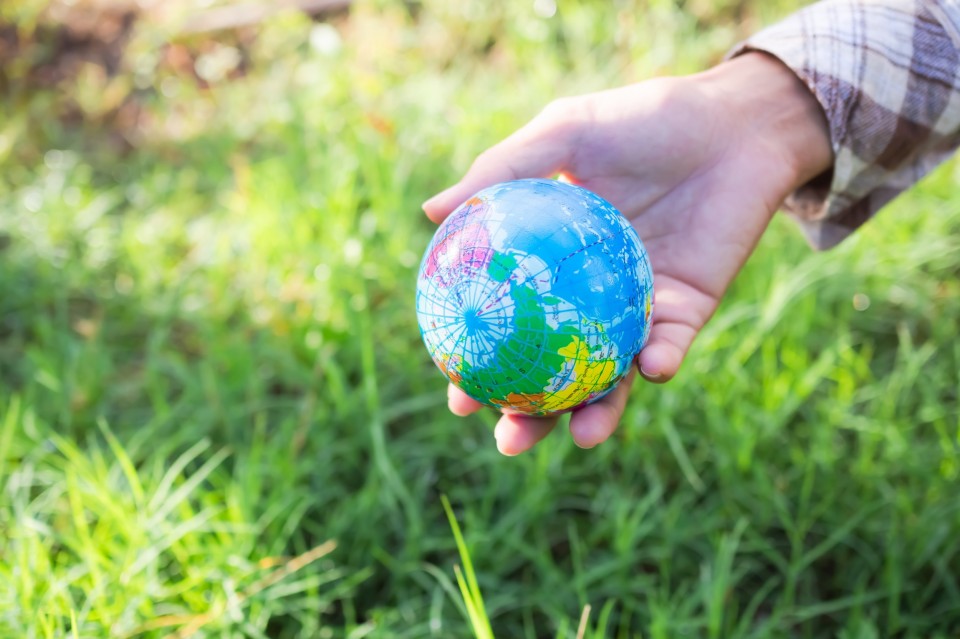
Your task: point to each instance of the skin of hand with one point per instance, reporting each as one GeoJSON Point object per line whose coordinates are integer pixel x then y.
{"type": "Point", "coordinates": [699, 164]}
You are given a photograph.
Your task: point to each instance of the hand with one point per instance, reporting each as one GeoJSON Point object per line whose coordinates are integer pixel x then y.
{"type": "Point", "coordinates": [698, 164]}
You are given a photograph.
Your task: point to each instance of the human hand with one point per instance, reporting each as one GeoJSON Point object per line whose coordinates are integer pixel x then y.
{"type": "Point", "coordinates": [698, 164]}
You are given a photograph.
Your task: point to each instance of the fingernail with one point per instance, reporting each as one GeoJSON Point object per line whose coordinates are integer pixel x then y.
{"type": "Point", "coordinates": [653, 377]}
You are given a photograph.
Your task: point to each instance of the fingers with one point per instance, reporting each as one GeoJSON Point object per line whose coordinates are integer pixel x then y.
{"type": "Point", "coordinates": [514, 433]}
{"type": "Point", "coordinates": [518, 433]}
{"type": "Point", "coordinates": [660, 359]}
{"type": "Point", "coordinates": [539, 149]}
{"type": "Point", "coordinates": [461, 404]}
{"type": "Point", "coordinates": [593, 424]}
{"type": "Point", "coordinates": [680, 311]}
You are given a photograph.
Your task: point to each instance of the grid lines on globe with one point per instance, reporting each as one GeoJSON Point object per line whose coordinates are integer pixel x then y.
{"type": "Point", "coordinates": [524, 309]}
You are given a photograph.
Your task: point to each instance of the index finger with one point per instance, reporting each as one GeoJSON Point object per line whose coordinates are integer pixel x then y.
{"type": "Point", "coordinates": [539, 149]}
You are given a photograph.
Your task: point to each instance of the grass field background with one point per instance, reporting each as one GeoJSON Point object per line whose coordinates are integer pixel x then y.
{"type": "Point", "coordinates": [217, 418]}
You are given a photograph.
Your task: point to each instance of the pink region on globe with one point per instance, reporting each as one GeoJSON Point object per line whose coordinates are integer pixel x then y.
{"type": "Point", "coordinates": [470, 250]}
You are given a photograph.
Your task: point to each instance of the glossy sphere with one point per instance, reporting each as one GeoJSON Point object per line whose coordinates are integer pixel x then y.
{"type": "Point", "coordinates": [535, 296]}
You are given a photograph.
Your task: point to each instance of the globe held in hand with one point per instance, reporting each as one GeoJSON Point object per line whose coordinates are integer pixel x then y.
{"type": "Point", "coordinates": [535, 296]}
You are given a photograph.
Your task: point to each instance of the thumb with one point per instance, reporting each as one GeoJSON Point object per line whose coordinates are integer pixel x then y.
{"type": "Point", "coordinates": [540, 149]}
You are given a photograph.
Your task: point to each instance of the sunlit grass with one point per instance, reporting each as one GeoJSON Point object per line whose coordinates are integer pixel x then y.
{"type": "Point", "coordinates": [217, 418]}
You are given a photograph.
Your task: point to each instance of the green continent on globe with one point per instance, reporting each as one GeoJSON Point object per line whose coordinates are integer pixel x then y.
{"type": "Point", "coordinates": [532, 356]}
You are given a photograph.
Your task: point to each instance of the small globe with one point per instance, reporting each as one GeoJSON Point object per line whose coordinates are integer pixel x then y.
{"type": "Point", "coordinates": [535, 296]}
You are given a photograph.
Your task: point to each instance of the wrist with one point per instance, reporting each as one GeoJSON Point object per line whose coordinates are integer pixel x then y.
{"type": "Point", "coordinates": [775, 112]}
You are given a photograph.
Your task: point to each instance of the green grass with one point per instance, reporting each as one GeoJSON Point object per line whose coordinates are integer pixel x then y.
{"type": "Point", "coordinates": [217, 418]}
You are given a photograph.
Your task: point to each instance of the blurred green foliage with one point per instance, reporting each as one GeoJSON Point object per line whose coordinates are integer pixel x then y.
{"type": "Point", "coordinates": [210, 368]}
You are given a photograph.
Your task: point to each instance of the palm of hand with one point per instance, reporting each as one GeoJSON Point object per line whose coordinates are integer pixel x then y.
{"type": "Point", "coordinates": [692, 184]}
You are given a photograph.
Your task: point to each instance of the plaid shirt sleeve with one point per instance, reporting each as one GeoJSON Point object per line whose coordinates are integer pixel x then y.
{"type": "Point", "coordinates": [887, 73]}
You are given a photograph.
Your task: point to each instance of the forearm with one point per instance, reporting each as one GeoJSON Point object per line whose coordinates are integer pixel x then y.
{"type": "Point", "coordinates": [887, 75]}
{"type": "Point", "coordinates": [778, 111]}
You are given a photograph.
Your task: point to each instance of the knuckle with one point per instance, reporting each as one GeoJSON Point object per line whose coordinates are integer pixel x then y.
{"type": "Point", "coordinates": [481, 161]}
{"type": "Point", "coordinates": [561, 110]}
{"type": "Point", "coordinates": [485, 157]}
{"type": "Point", "coordinates": [567, 118]}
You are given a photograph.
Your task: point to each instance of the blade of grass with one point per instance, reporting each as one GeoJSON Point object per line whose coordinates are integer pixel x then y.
{"type": "Point", "coordinates": [467, 579]}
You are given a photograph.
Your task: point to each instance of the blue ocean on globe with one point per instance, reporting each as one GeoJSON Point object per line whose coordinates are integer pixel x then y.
{"type": "Point", "coordinates": [535, 296]}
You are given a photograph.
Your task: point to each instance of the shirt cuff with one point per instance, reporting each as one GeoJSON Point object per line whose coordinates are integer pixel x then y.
{"type": "Point", "coordinates": [887, 74]}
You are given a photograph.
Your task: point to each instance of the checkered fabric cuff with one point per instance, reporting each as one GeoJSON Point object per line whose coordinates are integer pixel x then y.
{"type": "Point", "coordinates": [887, 73]}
